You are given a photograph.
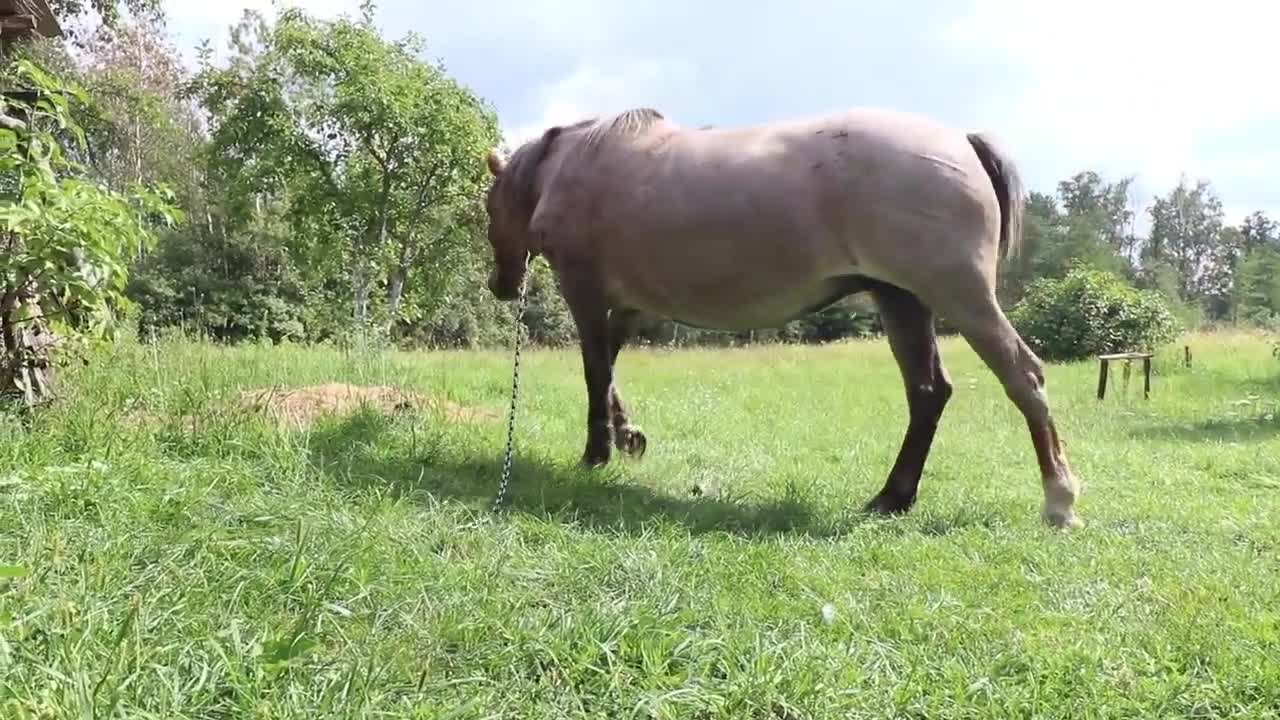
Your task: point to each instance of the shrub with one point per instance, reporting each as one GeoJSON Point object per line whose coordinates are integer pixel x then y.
{"type": "Point", "coordinates": [1090, 312]}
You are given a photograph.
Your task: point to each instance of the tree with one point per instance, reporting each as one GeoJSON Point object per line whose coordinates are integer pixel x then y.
{"type": "Point", "coordinates": [230, 281]}
{"type": "Point", "coordinates": [65, 239]}
{"type": "Point", "coordinates": [1256, 281]}
{"type": "Point", "coordinates": [108, 13]}
{"type": "Point", "coordinates": [376, 151]}
{"type": "Point", "coordinates": [1105, 205]}
{"type": "Point", "coordinates": [1257, 231]}
{"type": "Point", "coordinates": [136, 127]}
{"type": "Point", "coordinates": [1086, 230]}
{"type": "Point", "coordinates": [1257, 286]}
{"type": "Point", "coordinates": [140, 130]}
{"type": "Point", "coordinates": [1187, 236]}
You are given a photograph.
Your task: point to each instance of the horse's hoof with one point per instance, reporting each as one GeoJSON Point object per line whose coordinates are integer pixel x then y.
{"type": "Point", "coordinates": [1062, 520]}
{"type": "Point", "coordinates": [593, 459]}
{"type": "Point", "coordinates": [1058, 511]}
{"type": "Point", "coordinates": [631, 440]}
{"type": "Point", "coordinates": [888, 504]}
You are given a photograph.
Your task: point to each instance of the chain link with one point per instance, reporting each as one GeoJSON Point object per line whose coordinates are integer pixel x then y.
{"type": "Point", "coordinates": [515, 393]}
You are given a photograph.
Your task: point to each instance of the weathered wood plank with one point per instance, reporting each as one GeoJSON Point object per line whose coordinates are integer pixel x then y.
{"type": "Point", "coordinates": [42, 20]}
{"type": "Point", "coordinates": [1125, 356]}
{"type": "Point", "coordinates": [16, 25]}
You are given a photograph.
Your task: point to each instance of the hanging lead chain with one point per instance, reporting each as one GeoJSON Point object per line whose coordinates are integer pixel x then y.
{"type": "Point", "coordinates": [515, 392]}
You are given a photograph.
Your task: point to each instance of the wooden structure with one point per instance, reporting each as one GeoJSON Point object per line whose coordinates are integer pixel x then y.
{"type": "Point", "coordinates": [26, 18]}
{"type": "Point", "coordinates": [1128, 358]}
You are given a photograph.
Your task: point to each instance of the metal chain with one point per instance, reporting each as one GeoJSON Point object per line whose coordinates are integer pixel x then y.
{"type": "Point", "coordinates": [515, 393]}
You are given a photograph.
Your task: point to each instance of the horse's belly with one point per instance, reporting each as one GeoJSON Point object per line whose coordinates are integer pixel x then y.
{"type": "Point", "coordinates": [739, 260]}
{"type": "Point", "coordinates": [724, 303]}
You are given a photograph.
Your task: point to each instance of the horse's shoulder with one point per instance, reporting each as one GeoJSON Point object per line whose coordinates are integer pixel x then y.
{"type": "Point", "coordinates": [561, 192]}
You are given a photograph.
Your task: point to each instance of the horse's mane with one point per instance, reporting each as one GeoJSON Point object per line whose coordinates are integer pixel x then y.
{"type": "Point", "coordinates": [522, 168]}
{"type": "Point", "coordinates": [627, 122]}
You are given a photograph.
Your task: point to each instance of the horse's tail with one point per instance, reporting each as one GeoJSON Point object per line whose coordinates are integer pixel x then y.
{"type": "Point", "coordinates": [1008, 185]}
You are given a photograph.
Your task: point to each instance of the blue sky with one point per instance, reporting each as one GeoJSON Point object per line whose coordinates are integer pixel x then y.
{"type": "Point", "coordinates": [1151, 88]}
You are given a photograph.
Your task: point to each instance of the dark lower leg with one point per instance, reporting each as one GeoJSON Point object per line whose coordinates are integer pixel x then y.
{"type": "Point", "coordinates": [587, 305]}
{"type": "Point", "coordinates": [620, 327]}
{"type": "Point", "coordinates": [627, 437]}
{"type": "Point", "coordinates": [901, 487]}
{"type": "Point", "coordinates": [909, 327]}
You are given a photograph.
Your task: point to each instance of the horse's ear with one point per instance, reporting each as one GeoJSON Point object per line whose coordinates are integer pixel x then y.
{"type": "Point", "coordinates": [496, 166]}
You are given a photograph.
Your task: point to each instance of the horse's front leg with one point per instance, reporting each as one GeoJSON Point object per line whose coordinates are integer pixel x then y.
{"type": "Point", "coordinates": [628, 438]}
{"type": "Point", "coordinates": [584, 295]}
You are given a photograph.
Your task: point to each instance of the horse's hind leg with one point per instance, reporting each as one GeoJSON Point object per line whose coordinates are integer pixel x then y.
{"type": "Point", "coordinates": [989, 332]}
{"type": "Point", "coordinates": [628, 438]}
{"type": "Point", "coordinates": [909, 327]}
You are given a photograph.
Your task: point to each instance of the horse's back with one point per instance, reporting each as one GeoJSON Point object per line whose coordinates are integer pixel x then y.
{"type": "Point", "coordinates": [861, 172]}
{"type": "Point", "coordinates": [874, 144]}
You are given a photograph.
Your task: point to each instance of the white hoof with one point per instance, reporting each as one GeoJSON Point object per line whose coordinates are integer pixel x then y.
{"type": "Point", "coordinates": [1061, 519]}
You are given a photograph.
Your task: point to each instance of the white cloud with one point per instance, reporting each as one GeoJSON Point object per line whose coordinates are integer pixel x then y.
{"type": "Point", "coordinates": [571, 27]}
{"type": "Point", "coordinates": [1141, 86]}
{"type": "Point", "coordinates": [594, 90]}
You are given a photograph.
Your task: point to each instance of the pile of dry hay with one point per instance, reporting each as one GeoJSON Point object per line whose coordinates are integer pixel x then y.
{"type": "Point", "coordinates": [302, 406]}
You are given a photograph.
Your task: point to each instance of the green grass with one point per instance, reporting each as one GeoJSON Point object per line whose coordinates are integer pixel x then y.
{"type": "Point", "coordinates": [165, 556]}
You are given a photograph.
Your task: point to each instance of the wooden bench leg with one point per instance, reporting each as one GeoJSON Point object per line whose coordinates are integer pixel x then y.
{"type": "Point", "coordinates": [1102, 379]}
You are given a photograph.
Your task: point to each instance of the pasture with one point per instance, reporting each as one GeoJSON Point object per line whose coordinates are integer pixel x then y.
{"type": "Point", "coordinates": [168, 552]}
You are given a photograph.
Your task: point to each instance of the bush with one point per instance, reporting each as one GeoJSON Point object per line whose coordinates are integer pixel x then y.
{"type": "Point", "coordinates": [229, 288]}
{"type": "Point", "coordinates": [1091, 312]}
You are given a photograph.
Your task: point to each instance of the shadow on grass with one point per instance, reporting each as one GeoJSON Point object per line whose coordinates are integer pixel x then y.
{"type": "Point", "coordinates": [1242, 429]}
{"type": "Point", "coordinates": [361, 451]}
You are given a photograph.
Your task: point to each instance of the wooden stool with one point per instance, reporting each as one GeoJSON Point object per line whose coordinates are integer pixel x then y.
{"type": "Point", "coordinates": [1128, 359]}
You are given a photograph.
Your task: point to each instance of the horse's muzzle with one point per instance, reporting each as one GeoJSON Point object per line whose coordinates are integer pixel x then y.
{"type": "Point", "coordinates": [502, 287]}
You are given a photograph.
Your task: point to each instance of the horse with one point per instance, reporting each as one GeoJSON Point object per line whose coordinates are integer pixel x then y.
{"type": "Point", "coordinates": [748, 227]}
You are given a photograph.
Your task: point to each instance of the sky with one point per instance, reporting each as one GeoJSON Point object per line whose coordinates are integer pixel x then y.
{"type": "Point", "coordinates": [1156, 89]}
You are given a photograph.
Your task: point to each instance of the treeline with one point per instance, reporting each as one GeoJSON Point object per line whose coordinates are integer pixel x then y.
{"type": "Point", "coordinates": [1208, 270]}
{"type": "Point", "coordinates": [332, 184]}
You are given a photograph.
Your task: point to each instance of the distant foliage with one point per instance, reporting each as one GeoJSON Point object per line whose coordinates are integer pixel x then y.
{"type": "Point", "coordinates": [834, 322]}
{"type": "Point", "coordinates": [1257, 285]}
{"type": "Point", "coordinates": [228, 288]}
{"type": "Point", "coordinates": [1089, 312]}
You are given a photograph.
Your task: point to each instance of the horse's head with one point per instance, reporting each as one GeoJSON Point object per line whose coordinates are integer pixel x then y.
{"type": "Point", "coordinates": [513, 198]}
{"type": "Point", "coordinates": [509, 216]}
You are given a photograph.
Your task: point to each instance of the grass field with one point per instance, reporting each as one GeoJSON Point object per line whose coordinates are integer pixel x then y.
{"type": "Point", "coordinates": [165, 553]}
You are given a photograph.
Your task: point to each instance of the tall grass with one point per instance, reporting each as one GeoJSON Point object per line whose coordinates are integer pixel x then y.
{"type": "Point", "coordinates": [166, 553]}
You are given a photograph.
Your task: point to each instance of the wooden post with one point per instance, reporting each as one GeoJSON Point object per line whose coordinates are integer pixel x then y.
{"type": "Point", "coordinates": [1146, 378]}
{"type": "Point", "coordinates": [1186, 356]}
{"type": "Point", "coordinates": [1102, 377]}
